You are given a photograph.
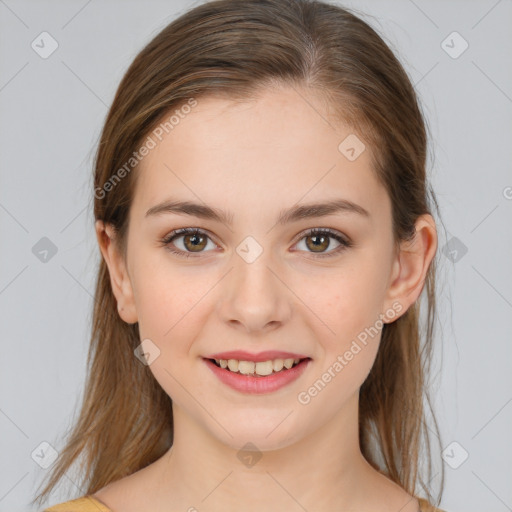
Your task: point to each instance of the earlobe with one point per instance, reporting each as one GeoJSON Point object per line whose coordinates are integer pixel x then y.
{"type": "Point", "coordinates": [412, 264]}
{"type": "Point", "coordinates": [119, 278]}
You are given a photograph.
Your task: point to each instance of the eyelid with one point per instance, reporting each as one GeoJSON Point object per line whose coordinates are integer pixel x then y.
{"type": "Point", "coordinates": [330, 231]}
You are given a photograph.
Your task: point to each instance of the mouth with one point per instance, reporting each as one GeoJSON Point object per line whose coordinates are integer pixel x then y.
{"type": "Point", "coordinates": [262, 377]}
{"type": "Point", "coordinates": [258, 369]}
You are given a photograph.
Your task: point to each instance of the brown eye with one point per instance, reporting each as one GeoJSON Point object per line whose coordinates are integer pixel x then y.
{"type": "Point", "coordinates": [195, 242]}
{"type": "Point", "coordinates": [319, 243]}
{"type": "Point", "coordinates": [319, 240]}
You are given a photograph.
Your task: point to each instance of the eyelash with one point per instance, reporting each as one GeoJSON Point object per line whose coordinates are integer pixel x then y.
{"type": "Point", "coordinates": [345, 244]}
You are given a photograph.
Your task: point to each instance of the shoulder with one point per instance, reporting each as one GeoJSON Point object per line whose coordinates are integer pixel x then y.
{"type": "Point", "coordinates": [425, 506]}
{"type": "Point", "coordinates": [83, 504]}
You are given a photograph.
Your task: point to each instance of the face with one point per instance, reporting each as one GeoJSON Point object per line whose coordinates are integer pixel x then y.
{"type": "Point", "coordinates": [250, 282]}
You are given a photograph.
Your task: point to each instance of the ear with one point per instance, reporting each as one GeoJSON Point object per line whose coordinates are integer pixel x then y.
{"type": "Point", "coordinates": [411, 265]}
{"type": "Point", "coordinates": [119, 278]}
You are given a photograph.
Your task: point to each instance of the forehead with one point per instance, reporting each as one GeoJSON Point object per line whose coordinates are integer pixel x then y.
{"type": "Point", "coordinates": [271, 151]}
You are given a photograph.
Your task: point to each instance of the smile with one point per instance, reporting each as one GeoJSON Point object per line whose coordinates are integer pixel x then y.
{"type": "Point", "coordinates": [257, 378]}
{"type": "Point", "coordinates": [254, 369]}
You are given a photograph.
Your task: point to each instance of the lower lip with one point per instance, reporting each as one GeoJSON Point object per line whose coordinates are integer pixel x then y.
{"type": "Point", "coordinates": [258, 385]}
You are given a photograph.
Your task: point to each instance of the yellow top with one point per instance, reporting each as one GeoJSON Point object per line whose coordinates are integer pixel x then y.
{"type": "Point", "coordinates": [90, 504]}
{"type": "Point", "coordinates": [83, 504]}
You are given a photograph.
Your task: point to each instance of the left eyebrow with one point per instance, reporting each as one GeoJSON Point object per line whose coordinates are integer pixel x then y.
{"type": "Point", "coordinates": [293, 214]}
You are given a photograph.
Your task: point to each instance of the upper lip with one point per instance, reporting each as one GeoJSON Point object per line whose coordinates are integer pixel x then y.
{"type": "Point", "coordinates": [267, 355]}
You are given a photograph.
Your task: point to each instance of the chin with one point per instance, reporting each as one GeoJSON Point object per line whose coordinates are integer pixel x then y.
{"type": "Point", "coordinates": [262, 437]}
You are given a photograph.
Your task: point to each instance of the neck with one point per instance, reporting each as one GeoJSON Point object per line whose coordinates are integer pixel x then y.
{"type": "Point", "coordinates": [323, 470]}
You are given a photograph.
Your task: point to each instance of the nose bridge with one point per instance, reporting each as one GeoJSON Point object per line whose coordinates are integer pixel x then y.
{"type": "Point", "coordinates": [254, 296]}
{"type": "Point", "coordinates": [252, 277]}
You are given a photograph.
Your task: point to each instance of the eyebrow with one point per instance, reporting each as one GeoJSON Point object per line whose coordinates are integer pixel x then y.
{"type": "Point", "coordinates": [293, 214]}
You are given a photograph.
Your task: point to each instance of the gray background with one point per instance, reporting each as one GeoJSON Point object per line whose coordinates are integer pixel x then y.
{"type": "Point", "coordinates": [52, 112]}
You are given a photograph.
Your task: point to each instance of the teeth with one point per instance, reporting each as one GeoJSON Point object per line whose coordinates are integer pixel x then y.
{"type": "Point", "coordinates": [261, 368]}
{"type": "Point", "coordinates": [233, 365]}
{"type": "Point", "coordinates": [246, 367]}
{"type": "Point", "coordinates": [264, 368]}
{"type": "Point", "coordinates": [278, 365]}
{"type": "Point", "coordinates": [288, 363]}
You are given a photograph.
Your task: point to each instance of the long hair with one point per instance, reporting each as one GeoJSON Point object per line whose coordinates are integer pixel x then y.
{"type": "Point", "coordinates": [234, 48]}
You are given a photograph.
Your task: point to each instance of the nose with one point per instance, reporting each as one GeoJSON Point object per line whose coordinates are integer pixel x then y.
{"type": "Point", "coordinates": [254, 297]}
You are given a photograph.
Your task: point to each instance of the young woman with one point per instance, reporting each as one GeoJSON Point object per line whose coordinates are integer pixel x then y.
{"type": "Point", "coordinates": [265, 224]}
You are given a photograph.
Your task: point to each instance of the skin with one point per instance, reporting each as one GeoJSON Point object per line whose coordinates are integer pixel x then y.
{"type": "Point", "coordinates": [255, 159]}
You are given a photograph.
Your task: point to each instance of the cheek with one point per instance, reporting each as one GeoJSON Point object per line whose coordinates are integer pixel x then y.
{"type": "Point", "coordinates": [343, 301]}
{"type": "Point", "coordinates": [348, 338]}
{"type": "Point", "coordinates": [168, 303]}
{"type": "Point", "coordinates": [172, 311]}
{"type": "Point", "coordinates": [346, 319]}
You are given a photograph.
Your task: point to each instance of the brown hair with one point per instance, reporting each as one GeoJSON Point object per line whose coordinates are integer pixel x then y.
{"type": "Point", "coordinates": [235, 48]}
